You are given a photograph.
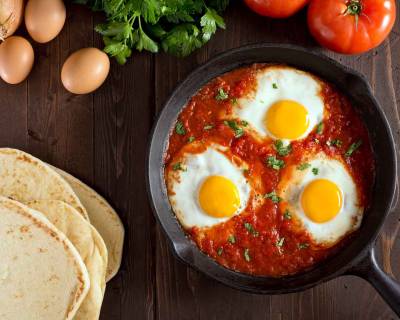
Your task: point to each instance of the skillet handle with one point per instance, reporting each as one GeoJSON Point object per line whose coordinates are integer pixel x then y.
{"type": "Point", "coordinates": [387, 287]}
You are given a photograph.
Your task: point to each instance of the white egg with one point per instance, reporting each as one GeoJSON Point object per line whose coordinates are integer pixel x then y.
{"type": "Point", "coordinates": [286, 104]}
{"type": "Point", "coordinates": [323, 196]}
{"type": "Point", "coordinates": [206, 188]}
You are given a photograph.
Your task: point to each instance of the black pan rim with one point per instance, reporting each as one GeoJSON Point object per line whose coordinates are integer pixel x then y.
{"type": "Point", "coordinates": [237, 285]}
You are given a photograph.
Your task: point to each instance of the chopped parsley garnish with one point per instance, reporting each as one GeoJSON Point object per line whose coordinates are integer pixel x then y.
{"type": "Point", "coordinates": [232, 239]}
{"type": "Point", "coordinates": [281, 149]}
{"type": "Point", "coordinates": [246, 171]}
{"type": "Point", "coordinates": [353, 147]}
{"type": "Point", "coordinates": [320, 127]}
{"type": "Point", "coordinates": [191, 139]}
{"type": "Point", "coordinates": [275, 163]}
{"type": "Point", "coordinates": [234, 101]}
{"type": "Point", "coordinates": [275, 86]}
{"type": "Point", "coordinates": [178, 166]}
{"type": "Point", "coordinates": [273, 197]}
{"type": "Point", "coordinates": [180, 128]}
{"type": "Point", "coordinates": [280, 242]}
{"type": "Point", "coordinates": [208, 127]}
{"type": "Point", "coordinates": [246, 255]}
{"type": "Point", "coordinates": [304, 245]}
{"type": "Point", "coordinates": [235, 127]}
{"type": "Point", "coordinates": [220, 250]}
{"type": "Point", "coordinates": [244, 123]}
{"type": "Point", "coordinates": [249, 227]}
{"type": "Point", "coordinates": [315, 171]}
{"type": "Point", "coordinates": [303, 166]}
{"type": "Point", "coordinates": [221, 95]}
{"type": "Point", "coordinates": [287, 215]}
{"type": "Point", "coordinates": [334, 142]}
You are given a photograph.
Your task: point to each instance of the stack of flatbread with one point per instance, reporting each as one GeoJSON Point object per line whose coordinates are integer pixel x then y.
{"type": "Point", "coordinates": [60, 242]}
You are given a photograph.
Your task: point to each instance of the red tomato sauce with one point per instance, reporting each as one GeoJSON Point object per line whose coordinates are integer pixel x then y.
{"type": "Point", "coordinates": [259, 249]}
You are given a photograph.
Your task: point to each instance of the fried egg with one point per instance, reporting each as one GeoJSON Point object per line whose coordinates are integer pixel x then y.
{"type": "Point", "coordinates": [323, 196]}
{"type": "Point", "coordinates": [207, 188]}
{"type": "Point", "coordinates": [286, 104]}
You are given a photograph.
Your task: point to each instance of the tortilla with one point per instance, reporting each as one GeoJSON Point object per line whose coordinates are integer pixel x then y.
{"type": "Point", "coordinates": [42, 275]}
{"type": "Point", "coordinates": [25, 178]}
{"type": "Point", "coordinates": [90, 246]}
{"type": "Point", "coordinates": [104, 218]}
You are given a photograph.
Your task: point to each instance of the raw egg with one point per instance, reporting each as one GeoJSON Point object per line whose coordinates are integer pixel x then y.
{"type": "Point", "coordinates": [16, 59]}
{"type": "Point", "coordinates": [44, 19]}
{"type": "Point", "coordinates": [85, 70]}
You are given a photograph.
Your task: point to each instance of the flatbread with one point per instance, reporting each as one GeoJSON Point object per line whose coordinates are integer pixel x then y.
{"type": "Point", "coordinates": [25, 178]}
{"type": "Point", "coordinates": [90, 246]}
{"type": "Point", "coordinates": [104, 218]}
{"type": "Point", "coordinates": [42, 275]}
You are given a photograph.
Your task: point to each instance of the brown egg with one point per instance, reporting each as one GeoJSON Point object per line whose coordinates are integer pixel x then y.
{"type": "Point", "coordinates": [85, 70]}
{"type": "Point", "coordinates": [16, 59]}
{"type": "Point", "coordinates": [44, 19]}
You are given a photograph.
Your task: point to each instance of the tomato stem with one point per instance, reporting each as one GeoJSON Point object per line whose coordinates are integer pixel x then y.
{"type": "Point", "coordinates": [354, 8]}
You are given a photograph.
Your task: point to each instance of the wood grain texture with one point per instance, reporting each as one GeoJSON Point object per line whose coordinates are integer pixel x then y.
{"type": "Point", "coordinates": [102, 139]}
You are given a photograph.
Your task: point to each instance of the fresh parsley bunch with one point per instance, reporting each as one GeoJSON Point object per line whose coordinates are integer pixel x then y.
{"type": "Point", "coordinates": [177, 26]}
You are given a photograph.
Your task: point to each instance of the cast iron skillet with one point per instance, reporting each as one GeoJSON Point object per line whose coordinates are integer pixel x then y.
{"type": "Point", "coordinates": [357, 258]}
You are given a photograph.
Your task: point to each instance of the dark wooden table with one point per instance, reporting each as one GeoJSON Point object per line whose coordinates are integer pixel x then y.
{"type": "Point", "coordinates": [102, 139]}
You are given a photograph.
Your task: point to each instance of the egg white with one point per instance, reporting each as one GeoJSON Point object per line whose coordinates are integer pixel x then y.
{"type": "Point", "coordinates": [184, 185]}
{"type": "Point", "coordinates": [290, 84]}
{"type": "Point", "coordinates": [350, 215]}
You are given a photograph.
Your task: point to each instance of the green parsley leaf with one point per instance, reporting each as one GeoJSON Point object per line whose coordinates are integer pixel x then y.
{"type": "Point", "coordinates": [246, 255]}
{"type": "Point", "coordinates": [275, 86]}
{"type": "Point", "coordinates": [209, 22]}
{"type": "Point", "coordinates": [273, 197]}
{"type": "Point", "coordinates": [353, 147]}
{"type": "Point", "coordinates": [221, 95]}
{"type": "Point", "coordinates": [315, 171]}
{"type": "Point", "coordinates": [191, 139]}
{"type": "Point", "coordinates": [287, 215]}
{"type": "Point", "coordinates": [281, 149]}
{"type": "Point", "coordinates": [320, 127]}
{"type": "Point", "coordinates": [208, 127]}
{"type": "Point", "coordinates": [235, 127]}
{"type": "Point", "coordinates": [303, 166]}
{"type": "Point", "coordinates": [182, 40]}
{"type": "Point", "coordinates": [275, 163]}
{"type": "Point", "coordinates": [232, 239]}
{"type": "Point", "coordinates": [180, 128]}
{"type": "Point", "coordinates": [178, 166]}
{"type": "Point", "coordinates": [280, 242]}
{"type": "Point", "coordinates": [244, 123]}
{"type": "Point", "coordinates": [220, 250]}
{"type": "Point", "coordinates": [304, 245]}
{"type": "Point", "coordinates": [334, 142]}
{"type": "Point", "coordinates": [234, 101]}
{"type": "Point", "coordinates": [249, 227]}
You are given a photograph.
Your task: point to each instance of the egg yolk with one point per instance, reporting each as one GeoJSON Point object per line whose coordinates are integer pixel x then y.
{"type": "Point", "coordinates": [287, 119]}
{"type": "Point", "coordinates": [321, 200]}
{"type": "Point", "coordinates": [219, 197]}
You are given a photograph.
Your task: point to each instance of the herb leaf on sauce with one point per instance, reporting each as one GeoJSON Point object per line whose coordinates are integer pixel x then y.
{"type": "Point", "coordinates": [303, 166]}
{"type": "Point", "coordinates": [281, 149]}
{"type": "Point", "coordinates": [246, 255]}
{"type": "Point", "coordinates": [221, 95]}
{"type": "Point", "coordinates": [303, 245]}
{"type": "Point", "coordinates": [234, 101]}
{"type": "Point", "coordinates": [287, 215]}
{"type": "Point", "coordinates": [180, 128]}
{"type": "Point", "coordinates": [353, 147]}
{"type": "Point", "coordinates": [178, 166]}
{"type": "Point", "coordinates": [280, 242]}
{"type": "Point", "coordinates": [208, 127]}
{"type": "Point", "coordinates": [334, 143]}
{"type": "Point", "coordinates": [232, 239]}
{"type": "Point", "coordinates": [273, 197]}
{"type": "Point", "coordinates": [315, 171]}
{"type": "Point", "coordinates": [235, 127]}
{"type": "Point", "coordinates": [320, 127]}
{"type": "Point", "coordinates": [249, 227]}
{"type": "Point", "coordinates": [191, 139]}
{"type": "Point", "coordinates": [220, 250]}
{"type": "Point", "coordinates": [275, 163]}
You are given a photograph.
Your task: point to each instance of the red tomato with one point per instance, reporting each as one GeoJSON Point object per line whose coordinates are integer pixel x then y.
{"type": "Point", "coordinates": [276, 8]}
{"type": "Point", "coordinates": [351, 26]}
